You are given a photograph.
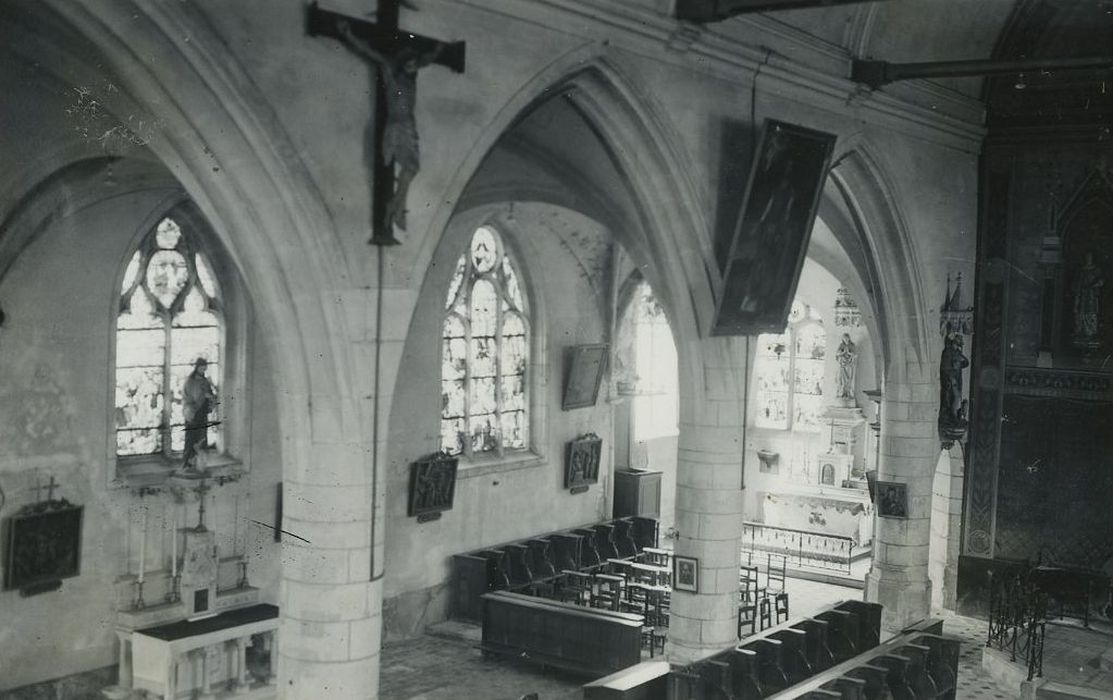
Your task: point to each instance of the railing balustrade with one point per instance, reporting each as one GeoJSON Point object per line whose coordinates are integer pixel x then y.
{"type": "Point", "coordinates": [801, 547]}
{"type": "Point", "coordinates": [1018, 619]}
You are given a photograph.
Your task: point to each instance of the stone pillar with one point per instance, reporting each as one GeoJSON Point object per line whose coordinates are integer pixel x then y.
{"type": "Point", "coordinates": [709, 499]}
{"type": "Point", "coordinates": [898, 578]}
{"type": "Point", "coordinates": [946, 526]}
{"type": "Point", "coordinates": [331, 617]}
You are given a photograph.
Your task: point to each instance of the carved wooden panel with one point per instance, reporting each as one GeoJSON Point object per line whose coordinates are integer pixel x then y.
{"type": "Point", "coordinates": [986, 384]}
{"type": "Point", "coordinates": [1056, 482]}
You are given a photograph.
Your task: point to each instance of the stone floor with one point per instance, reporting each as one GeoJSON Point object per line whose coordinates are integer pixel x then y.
{"type": "Point", "coordinates": [433, 668]}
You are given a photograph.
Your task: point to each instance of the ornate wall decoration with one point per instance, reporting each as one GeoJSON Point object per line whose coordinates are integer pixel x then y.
{"type": "Point", "coordinates": [847, 313]}
{"type": "Point", "coordinates": [1058, 383]}
{"type": "Point", "coordinates": [989, 352]}
{"type": "Point", "coordinates": [432, 486]}
{"type": "Point", "coordinates": [581, 466]}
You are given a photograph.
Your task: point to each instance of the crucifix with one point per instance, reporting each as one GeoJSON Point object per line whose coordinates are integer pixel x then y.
{"type": "Point", "coordinates": [51, 485]}
{"type": "Point", "coordinates": [398, 56]}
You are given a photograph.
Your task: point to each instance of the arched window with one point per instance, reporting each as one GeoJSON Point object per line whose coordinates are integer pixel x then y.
{"type": "Point", "coordinates": [790, 373]}
{"type": "Point", "coordinates": [485, 353]}
{"type": "Point", "coordinates": [170, 315]}
{"type": "Point", "coordinates": [656, 403]}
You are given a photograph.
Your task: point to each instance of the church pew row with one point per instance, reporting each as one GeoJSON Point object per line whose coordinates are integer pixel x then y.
{"type": "Point", "coordinates": [918, 664]}
{"type": "Point", "coordinates": [585, 641]}
{"type": "Point", "coordinates": [531, 565]}
{"type": "Point", "coordinates": [781, 656]}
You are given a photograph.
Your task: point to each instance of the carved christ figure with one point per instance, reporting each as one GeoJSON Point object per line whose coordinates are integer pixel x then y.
{"type": "Point", "coordinates": [399, 146]}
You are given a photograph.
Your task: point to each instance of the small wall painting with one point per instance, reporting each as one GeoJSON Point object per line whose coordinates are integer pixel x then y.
{"type": "Point", "coordinates": [432, 486]}
{"type": "Point", "coordinates": [892, 499]}
{"type": "Point", "coordinates": [585, 367]}
{"type": "Point", "coordinates": [685, 574]}
{"type": "Point", "coordinates": [581, 466]}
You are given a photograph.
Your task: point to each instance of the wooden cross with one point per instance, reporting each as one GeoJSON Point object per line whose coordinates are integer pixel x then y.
{"type": "Point", "coordinates": [395, 136]}
{"type": "Point", "coordinates": [49, 489]}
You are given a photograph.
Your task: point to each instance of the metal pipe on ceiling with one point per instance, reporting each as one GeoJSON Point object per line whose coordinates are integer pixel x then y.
{"type": "Point", "coordinates": [879, 73]}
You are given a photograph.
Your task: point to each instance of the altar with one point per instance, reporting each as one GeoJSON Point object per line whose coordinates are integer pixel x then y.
{"type": "Point", "coordinates": [831, 510]}
{"type": "Point", "coordinates": [206, 658]}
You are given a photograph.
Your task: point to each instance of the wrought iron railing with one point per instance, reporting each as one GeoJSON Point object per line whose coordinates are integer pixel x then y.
{"type": "Point", "coordinates": [801, 547]}
{"type": "Point", "coordinates": [1018, 619]}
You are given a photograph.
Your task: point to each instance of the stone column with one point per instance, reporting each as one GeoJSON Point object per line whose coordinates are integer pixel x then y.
{"type": "Point", "coordinates": [898, 578]}
{"type": "Point", "coordinates": [709, 498]}
{"type": "Point", "coordinates": [946, 526]}
{"type": "Point", "coordinates": [331, 621]}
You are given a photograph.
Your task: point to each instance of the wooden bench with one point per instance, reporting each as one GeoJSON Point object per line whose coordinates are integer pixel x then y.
{"type": "Point", "coordinates": [780, 657]}
{"type": "Point", "coordinates": [645, 681]}
{"type": "Point", "coordinates": [920, 663]}
{"type": "Point", "coordinates": [532, 564]}
{"type": "Point", "coordinates": [587, 641]}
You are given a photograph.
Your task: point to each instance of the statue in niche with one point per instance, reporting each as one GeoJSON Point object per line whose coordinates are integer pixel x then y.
{"type": "Point", "coordinates": [952, 407]}
{"type": "Point", "coordinates": [847, 357]}
{"type": "Point", "coordinates": [198, 402]}
{"type": "Point", "coordinates": [1088, 286]}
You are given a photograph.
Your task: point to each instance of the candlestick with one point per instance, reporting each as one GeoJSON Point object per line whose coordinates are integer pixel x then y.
{"type": "Point", "coordinates": [173, 541]}
{"type": "Point", "coordinates": [143, 546]}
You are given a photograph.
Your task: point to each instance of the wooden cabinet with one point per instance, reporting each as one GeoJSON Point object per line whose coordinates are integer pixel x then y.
{"type": "Point", "coordinates": [637, 493]}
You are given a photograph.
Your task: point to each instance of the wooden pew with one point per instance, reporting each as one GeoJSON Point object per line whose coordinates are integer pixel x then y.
{"type": "Point", "coordinates": [645, 681]}
{"type": "Point", "coordinates": [914, 665]}
{"type": "Point", "coordinates": [780, 657]}
{"type": "Point", "coordinates": [582, 640]}
{"type": "Point", "coordinates": [533, 564]}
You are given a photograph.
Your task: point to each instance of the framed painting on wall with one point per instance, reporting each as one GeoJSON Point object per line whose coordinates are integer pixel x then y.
{"type": "Point", "coordinates": [892, 499]}
{"type": "Point", "coordinates": [432, 486]}
{"type": "Point", "coordinates": [771, 237]}
{"type": "Point", "coordinates": [585, 367]}
{"type": "Point", "coordinates": [685, 574]}
{"type": "Point", "coordinates": [581, 466]}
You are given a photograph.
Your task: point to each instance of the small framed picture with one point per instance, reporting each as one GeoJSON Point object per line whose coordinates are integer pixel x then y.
{"type": "Point", "coordinates": [892, 499]}
{"type": "Point", "coordinates": [685, 574]}
{"type": "Point", "coordinates": [585, 365]}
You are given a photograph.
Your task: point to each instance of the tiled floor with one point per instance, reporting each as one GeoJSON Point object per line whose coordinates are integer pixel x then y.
{"type": "Point", "coordinates": [432, 668]}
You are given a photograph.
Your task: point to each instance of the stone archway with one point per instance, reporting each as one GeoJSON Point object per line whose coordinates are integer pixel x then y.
{"type": "Point", "coordinates": [219, 137]}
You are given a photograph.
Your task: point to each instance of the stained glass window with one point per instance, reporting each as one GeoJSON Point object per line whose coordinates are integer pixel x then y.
{"type": "Point", "coordinates": [484, 353]}
{"type": "Point", "coordinates": [170, 316]}
{"type": "Point", "coordinates": [789, 373]}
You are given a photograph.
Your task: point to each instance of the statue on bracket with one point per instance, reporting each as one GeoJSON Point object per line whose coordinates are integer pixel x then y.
{"type": "Point", "coordinates": [198, 402]}
{"type": "Point", "coordinates": [1088, 287]}
{"type": "Point", "coordinates": [952, 407]}
{"type": "Point", "coordinates": [847, 357]}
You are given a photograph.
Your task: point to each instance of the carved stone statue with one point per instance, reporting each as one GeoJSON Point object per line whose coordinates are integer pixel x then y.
{"type": "Point", "coordinates": [1088, 287]}
{"type": "Point", "coordinates": [198, 402]}
{"type": "Point", "coordinates": [952, 407]}
{"type": "Point", "coordinates": [847, 357]}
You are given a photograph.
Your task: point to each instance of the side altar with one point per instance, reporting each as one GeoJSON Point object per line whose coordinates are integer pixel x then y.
{"type": "Point", "coordinates": [197, 640]}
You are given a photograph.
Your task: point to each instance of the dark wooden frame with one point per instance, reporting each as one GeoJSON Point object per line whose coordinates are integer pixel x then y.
{"type": "Point", "coordinates": [589, 447]}
{"type": "Point", "coordinates": [586, 365]}
{"type": "Point", "coordinates": [786, 182]}
{"type": "Point", "coordinates": [53, 520]}
{"type": "Point", "coordinates": [677, 560]}
{"type": "Point", "coordinates": [902, 495]}
{"type": "Point", "coordinates": [440, 463]}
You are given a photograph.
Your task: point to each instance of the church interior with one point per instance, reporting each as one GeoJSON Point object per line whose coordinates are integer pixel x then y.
{"type": "Point", "coordinates": [663, 349]}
